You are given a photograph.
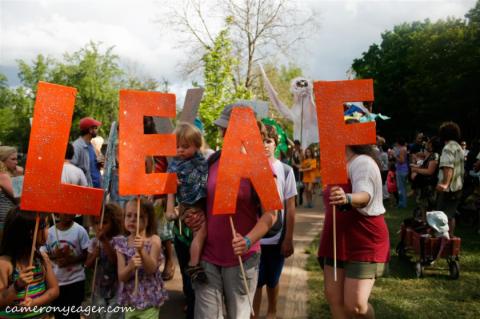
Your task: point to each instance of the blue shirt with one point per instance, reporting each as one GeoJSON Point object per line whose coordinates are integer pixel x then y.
{"type": "Point", "coordinates": [192, 174]}
{"type": "Point", "coordinates": [94, 171]}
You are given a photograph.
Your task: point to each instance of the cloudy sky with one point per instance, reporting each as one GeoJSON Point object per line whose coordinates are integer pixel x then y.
{"type": "Point", "coordinates": [53, 27]}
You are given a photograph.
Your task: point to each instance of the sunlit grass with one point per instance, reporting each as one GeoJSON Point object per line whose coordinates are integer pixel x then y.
{"type": "Point", "coordinates": [401, 295]}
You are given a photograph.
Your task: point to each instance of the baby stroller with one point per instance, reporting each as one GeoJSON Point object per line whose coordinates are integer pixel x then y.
{"type": "Point", "coordinates": [428, 242]}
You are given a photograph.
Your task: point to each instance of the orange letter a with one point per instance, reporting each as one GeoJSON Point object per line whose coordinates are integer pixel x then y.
{"type": "Point", "coordinates": [243, 133]}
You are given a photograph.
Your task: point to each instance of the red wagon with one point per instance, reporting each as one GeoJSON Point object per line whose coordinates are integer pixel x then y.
{"type": "Point", "coordinates": [420, 241]}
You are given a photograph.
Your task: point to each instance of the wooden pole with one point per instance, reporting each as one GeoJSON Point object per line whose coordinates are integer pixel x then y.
{"type": "Point", "coordinates": [234, 233]}
{"type": "Point", "coordinates": [98, 243]}
{"type": "Point", "coordinates": [138, 231]}
{"type": "Point", "coordinates": [56, 229]}
{"type": "Point", "coordinates": [32, 252]}
{"type": "Point", "coordinates": [334, 243]}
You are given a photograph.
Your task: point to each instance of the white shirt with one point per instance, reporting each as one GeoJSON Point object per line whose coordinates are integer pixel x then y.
{"type": "Point", "coordinates": [364, 175]}
{"type": "Point", "coordinates": [287, 188]}
{"type": "Point", "coordinates": [72, 241]}
{"type": "Point", "coordinates": [71, 174]}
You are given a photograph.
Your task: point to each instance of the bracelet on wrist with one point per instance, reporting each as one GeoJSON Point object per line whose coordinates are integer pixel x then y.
{"type": "Point", "coordinates": [248, 241]}
{"type": "Point", "coordinates": [349, 199]}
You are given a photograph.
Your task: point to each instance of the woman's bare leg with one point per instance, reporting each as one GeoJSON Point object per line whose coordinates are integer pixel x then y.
{"type": "Point", "coordinates": [334, 292]}
{"type": "Point", "coordinates": [356, 294]}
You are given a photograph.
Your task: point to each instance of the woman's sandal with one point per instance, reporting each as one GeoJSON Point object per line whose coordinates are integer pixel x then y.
{"type": "Point", "coordinates": [196, 274]}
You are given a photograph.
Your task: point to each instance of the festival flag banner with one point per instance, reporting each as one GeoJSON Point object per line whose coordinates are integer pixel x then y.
{"type": "Point", "coordinates": [135, 146]}
{"type": "Point", "coordinates": [42, 188]}
{"type": "Point", "coordinates": [243, 156]}
{"type": "Point", "coordinates": [334, 134]}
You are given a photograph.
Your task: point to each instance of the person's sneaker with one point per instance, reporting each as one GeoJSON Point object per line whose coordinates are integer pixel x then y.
{"type": "Point", "coordinates": [197, 274]}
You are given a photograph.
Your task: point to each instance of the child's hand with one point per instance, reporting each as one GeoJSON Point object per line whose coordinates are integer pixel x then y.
{"type": "Point", "coordinates": [193, 220]}
{"type": "Point", "coordinates": [56, 253]}
{"type": "Point", "coordinates": [27, 302]}
{"type": "Point", "coordinates": [102, 233]}
{"type": "Point", "coordinates": [172, 215]}
{"type": "Point", "coordinates": [62, 261]}
{"type": "Point", "coordinates": [139, 242]}
{"type": "Point", "coordinates": [63, 256]}
{"type": "Point", "coordinates": [96, 249]}
{"type": "Point", "coordinates": [137, 260]}
{"type": "Point", "coordinates": [25, 277]}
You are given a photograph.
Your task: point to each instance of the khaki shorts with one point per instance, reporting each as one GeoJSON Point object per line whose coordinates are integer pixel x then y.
{"type": "Point", "coordinates": [357, 269]}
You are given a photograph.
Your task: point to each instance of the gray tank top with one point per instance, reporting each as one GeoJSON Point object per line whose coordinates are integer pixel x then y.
{"type": "Point", "coordinates": [6, 203]}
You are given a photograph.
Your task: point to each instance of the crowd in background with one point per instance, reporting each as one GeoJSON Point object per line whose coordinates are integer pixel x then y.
{"type": "Point", "coordinates": [439, 172]}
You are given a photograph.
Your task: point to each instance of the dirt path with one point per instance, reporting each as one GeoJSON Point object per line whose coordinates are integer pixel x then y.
{"type": "Point", "coordinates": [293, 296]}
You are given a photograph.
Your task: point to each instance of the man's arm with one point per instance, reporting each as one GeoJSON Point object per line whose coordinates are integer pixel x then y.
{"type": "Point", "coordinates": [287, 244]}
{"type": "Point", "coordinates": [447, 178]}
{"type": "Point", "coordinates": [262, 226]}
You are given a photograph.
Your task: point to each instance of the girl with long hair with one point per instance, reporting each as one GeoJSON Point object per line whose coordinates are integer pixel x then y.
{"type": "Point", "coordinates": [22, 284]}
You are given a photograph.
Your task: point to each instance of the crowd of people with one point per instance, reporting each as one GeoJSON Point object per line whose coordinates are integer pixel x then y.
{"type": "Point", "coordinates": [128, 255]}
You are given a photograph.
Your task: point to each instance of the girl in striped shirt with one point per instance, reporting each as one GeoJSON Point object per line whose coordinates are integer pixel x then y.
{"type": "Point", "coordinates": [21, 284]}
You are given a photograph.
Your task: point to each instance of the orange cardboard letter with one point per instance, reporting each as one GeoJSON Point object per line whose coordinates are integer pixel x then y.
{"type": "Point", "coordinates": [42, 188]}
{"type": "Point", "coordinates": [243, 156]}
{"type": "Point", "coordinates": [134, 146]}
{"type": "Point", "coordinates": [334, 134]}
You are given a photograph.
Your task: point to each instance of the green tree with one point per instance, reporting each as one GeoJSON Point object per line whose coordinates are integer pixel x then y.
{"type": "Point", "coordinates": [94, 72]}
{"type": "Point", "coordinates": [15, 114]}
{"type": "Point", "coordinates": [97, 77]}
{"type": "Point", "coordinates": [426, 73]}
{"type": "Point", "coordinates": [7, 116]}
{"type": "Point", "coordinates": [220, 88]}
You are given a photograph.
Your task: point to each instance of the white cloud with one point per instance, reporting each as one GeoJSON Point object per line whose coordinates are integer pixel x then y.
{"type": "Point", "coordinates": [53, 27]}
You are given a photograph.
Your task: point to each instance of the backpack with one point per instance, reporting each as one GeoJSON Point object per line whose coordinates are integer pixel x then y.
{"type": "Point", "coordinates": [279, 225]}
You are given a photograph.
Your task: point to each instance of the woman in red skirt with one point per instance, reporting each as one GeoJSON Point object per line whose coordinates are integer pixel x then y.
{"type": "Point", "coordinates": [362, 236]}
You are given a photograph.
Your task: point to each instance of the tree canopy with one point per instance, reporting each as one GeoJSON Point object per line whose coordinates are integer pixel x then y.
{"type": "Point", "coordinates": [426, 73]}
{"type": "Point", "coordinates": [94, 72]}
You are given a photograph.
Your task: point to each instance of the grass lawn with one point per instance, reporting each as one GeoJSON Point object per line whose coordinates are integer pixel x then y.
{"type": "Point", "coordinates": [401, 295]}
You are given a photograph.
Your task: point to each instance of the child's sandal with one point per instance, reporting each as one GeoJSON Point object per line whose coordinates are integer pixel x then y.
{"type": "Point", "coordinates": [196, 274]}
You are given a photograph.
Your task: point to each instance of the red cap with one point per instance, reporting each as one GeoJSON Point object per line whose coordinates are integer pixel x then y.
{"type": "Point", "coordinates": [88, 122]}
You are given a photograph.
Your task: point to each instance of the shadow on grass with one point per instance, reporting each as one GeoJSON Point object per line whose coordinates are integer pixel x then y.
{"type": "Point", "coordinates": [401, 295]}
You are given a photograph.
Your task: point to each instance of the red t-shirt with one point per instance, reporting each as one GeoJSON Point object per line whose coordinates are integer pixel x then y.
{"type": "Point", "coordinates": [218, 245]}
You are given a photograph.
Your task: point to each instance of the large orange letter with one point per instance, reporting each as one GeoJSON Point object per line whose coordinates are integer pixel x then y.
{"type": "Point", "coordinates": [42, 189]}
{"type": "Point", "coordinates": [135, 146]}
{"type": "Point", "coordinates": [235, 164]}
{"type": "Point", "coordinates": [334, 134]}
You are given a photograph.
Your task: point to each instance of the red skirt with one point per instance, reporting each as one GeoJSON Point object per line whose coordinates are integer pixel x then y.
{"type": "Point", "coordinates": [359, 237]}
